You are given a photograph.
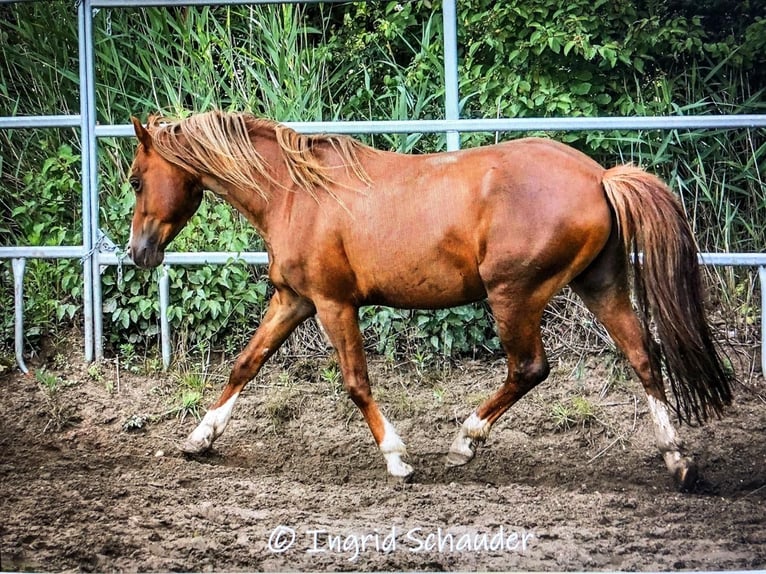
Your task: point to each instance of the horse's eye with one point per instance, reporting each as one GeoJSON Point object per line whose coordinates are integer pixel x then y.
{"type": "Point", "coordinates": [135, 183]}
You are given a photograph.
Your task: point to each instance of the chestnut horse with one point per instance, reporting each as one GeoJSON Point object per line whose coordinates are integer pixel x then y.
{"type": "Point", "coordinates": [347, 225]}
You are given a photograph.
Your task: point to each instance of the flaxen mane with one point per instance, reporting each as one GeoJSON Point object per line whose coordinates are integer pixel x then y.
{"type": "Point", "coordinates": [220, 143]}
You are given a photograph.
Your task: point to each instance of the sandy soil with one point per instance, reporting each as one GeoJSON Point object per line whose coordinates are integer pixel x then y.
{"type": "Point", "coordinates": [296, 483]}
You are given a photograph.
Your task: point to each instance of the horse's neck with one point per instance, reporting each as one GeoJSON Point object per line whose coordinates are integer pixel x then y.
{"type": "Point", "coordinates": [258, 201]}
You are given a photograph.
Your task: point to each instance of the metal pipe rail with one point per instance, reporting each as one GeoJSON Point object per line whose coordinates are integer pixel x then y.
{"type": "Point", "coordinates": [19, 255]}
{"type": "Point", "coordinates": [36, 122]}
{"type": "Point", "coordinates": [160, 3]}
{"type": "Point", "coordinates": [261, 258]}
{"type": "Point", "coordinates": [504, 125]}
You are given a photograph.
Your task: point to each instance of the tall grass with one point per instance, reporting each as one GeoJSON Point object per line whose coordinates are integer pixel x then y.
{"type": "Point", "coordinates": [717, 173]}
{"type": "Point", "coordinates": [253, 58]}
{"type": "Point", "coordinates": [719, 177]}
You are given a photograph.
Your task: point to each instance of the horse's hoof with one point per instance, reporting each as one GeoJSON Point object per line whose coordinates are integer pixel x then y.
{"type": "Point", "coordinates": [400, 470]}
{"type": "Point", "coordinates": [189, 447]}
{"type": "Point", "coordinates": [458, 458]}
{"type": "Point", "coordinates": [200, 440]}
{"type": "Point", "coordinates": [686, 475]}
{"type": "Point", "coordinates": [195, 445]}
{"type": "Point", "coordinates": [462, 450]}
{"type": "Point", "coordinates": [402, 478]}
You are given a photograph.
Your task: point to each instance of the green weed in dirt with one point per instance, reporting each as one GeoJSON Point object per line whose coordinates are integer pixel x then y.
{"type": "Point", "coordinates": [331, 376]}
{"type": "Point", "coordinates": [187, 398]}
{"type": "Point", "coordinates": [59, 414]}
{"type": "Point", "coordinates": [576, 412]}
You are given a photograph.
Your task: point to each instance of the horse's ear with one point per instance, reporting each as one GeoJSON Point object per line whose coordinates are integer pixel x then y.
{"type": "Point", "coordinates": [141, 132]}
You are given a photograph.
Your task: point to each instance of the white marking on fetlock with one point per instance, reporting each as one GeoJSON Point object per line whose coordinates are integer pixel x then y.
{"type": "Point", "coordinates": [463, 448]}
{"type": "Point", "coordinates": [210, 428]}
{"type": "Point", "coordinates": [393, 450]}
{"type": "Point", "coordinates": [682, 467]}
{"type": "Point", "coordinates": [475, 427]}
{"type": "Point", "coordinates": [664, 432]}
{"type": "Point", "coordinates": [672, 458]}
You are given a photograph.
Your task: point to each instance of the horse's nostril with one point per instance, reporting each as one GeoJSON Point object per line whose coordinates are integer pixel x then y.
{"type": "Point", "coordinates": [145, 253]}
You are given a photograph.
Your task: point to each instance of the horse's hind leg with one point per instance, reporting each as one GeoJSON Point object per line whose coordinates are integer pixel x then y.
{"type": "Point", "coordinates": [604, 289]}
{"type": "Point", "coordinates": [519, 330]}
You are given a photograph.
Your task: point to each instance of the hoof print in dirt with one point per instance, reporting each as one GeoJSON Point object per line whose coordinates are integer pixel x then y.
{"type": "Point", "coordinates": [196, 455]}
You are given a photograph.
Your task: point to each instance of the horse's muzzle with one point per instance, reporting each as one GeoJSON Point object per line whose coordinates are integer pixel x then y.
{"type": "Point", "coordinates": [146, 253]}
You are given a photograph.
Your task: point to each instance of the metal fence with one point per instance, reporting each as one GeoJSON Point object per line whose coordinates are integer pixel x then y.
{"type": "Point", "coordinates": [93, 253]}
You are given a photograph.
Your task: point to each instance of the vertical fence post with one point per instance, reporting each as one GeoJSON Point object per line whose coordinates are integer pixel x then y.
{"type": "Point", "coordinates": [164, 321]}
{"type": "Point", "coordinates": [18, 306]}
{"type": "Point", "coordinates": [451, 102]}
{"type": "Point", "coordinates": [83, 14]}
{"type": "Point", "coordinates": [91, 216]}
{"type": "Point", "coordinates": [762, 284]}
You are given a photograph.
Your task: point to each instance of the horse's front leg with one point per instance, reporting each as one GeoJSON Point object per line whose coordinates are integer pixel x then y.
{"type": "Point", "coordinates": [286, 311]}
{"type": "Point", "coordinates": [340, 322]}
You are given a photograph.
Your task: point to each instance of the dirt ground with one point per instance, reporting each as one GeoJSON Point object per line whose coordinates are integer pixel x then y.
{"type": "Point", "coordinates": [569, 479]}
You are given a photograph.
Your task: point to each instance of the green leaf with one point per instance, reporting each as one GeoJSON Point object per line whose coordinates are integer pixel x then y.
{"type": "Point", "coordinates": [581, 88]}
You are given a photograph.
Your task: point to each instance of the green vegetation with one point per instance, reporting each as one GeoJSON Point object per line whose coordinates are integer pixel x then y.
{"type": "Point", "coordinates": [59, 415]}
{"type": "Point", "coordinates": [576, 412]}
{"type": "Point", "coordinates": [360, 61]}
{"type": "Point", "coordinates": [187, 401]}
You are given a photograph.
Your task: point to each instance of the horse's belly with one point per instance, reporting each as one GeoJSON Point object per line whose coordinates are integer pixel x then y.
{"type": "Point", "coordinates": [422, 285]}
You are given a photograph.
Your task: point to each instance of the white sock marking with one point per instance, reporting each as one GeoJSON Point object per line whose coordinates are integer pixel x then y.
{"type": "Point", "coordinates": [474, 427]}
{"type": "Point", "coordinates": [664, 431]}
{"type": "Point", "coordinates": [464, 445]}
{"type": "Point", "coordinates": [393, 449]}
{"type": "Point", "coordinates": [212, 425]}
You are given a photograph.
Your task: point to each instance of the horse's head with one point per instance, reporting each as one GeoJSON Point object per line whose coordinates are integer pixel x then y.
{"type": "Point", "coordinates": [166, 197]}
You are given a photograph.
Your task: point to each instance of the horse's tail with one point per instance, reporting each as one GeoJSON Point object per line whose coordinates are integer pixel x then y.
{"type": "Point", "coordinates": [668, 290]}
